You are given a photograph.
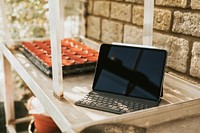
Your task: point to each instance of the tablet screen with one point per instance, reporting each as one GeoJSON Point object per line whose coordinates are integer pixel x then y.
{"type": "Point", "coordinates": [130, 71]}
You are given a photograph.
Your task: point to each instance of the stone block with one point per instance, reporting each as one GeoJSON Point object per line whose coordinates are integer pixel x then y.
{"type": "Point", "coordinates": [93, 27]}
{"type": "Point", "coordinates": [135, 1]}
{"type": "Point", "coordinates": [137, 15]}
{"type": "Point", "coordinates": [132, 34]}
{"type": "Point", "coordinates": [160, 41]}
{"type": "Point", "coordinates": [111, 31]}
{"type": "Point", "coordinates": [195, 61]}
{"type": "Point", "coordinates": [101, 8]}
{"type": "Point", "coordinates": [121, 11]}
{"type": "Point", "coordinates": [195, 4]}
{"type": "Point", "coordinates": [177, 48]}
{"type": "Point", "coordinates": [89, 6]}
{"type": "Point", "coordinates": [172, 3]}
{"type": "Point", "coordinates": [162, 18]}
{"type": "Point", "coordinates": [186, 23]}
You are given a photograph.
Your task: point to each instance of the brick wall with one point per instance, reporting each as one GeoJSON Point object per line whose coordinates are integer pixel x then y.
{"type": "Point", "coordinates": [176, 29]}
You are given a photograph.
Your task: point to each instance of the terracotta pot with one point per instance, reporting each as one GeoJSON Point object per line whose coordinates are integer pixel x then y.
{"type": "Point", "coordinates": [45, 124]}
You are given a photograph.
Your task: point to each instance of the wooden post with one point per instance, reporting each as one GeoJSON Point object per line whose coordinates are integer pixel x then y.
{"type": "Point", "coordinates": [8, 95]}
{"type": "Point", "coordinates": [148, 22]}
{"type": "Point", "coordinates": [55, 34]}
{"type": "Point", "coordinates": [8, 83]}
{"type": "Point", "coordinates": [62, 18]}
{"type": "Point", "coordinates": [7, 36]}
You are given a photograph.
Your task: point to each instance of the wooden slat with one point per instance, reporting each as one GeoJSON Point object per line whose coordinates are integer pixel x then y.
{"type": "Point", "coordinates": [7, 35]}
{"type": "Point", "coordinates": [8, 90]}
{"type": "Point", "coordinates": [148, 22]}
{"type": "Point", "coordinates": [23, 119]}
{"type": "Point", "coordinates": [55, 34]}
{"type": "Point", "coordinates": [11, 129]}
{"type": "Point", "coordinates": [155, 116]}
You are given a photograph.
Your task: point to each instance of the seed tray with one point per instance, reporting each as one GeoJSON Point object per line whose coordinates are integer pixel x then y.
{"type": "Point", "coordinates": [76, 56]}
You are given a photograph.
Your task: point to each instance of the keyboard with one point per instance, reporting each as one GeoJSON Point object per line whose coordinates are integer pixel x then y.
{"type": "Point", "coordinates": [113, 104]}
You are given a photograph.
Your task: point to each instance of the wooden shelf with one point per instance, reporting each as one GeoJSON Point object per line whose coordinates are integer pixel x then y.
{"type": "Point", "coordinates": [64, 112]}
{"type": "Point", "coordinates": [180, 100]}
{"type": "Point", "coordinates": [71, 118]}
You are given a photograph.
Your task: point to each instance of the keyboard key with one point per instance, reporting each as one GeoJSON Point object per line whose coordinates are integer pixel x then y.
{"type": "Point", "coordinates": [93, 104]}
{"type": "Point", "coordinates": [88, 103]}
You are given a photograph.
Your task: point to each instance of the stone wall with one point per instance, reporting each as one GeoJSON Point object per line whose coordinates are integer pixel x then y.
{"type": "Point", "coordinates": [176, 29]}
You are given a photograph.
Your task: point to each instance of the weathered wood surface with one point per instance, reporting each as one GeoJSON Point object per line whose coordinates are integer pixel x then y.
{"type": "Point", "coordinates": [186, 125]}
{"type": "Point", "coordinates": [180, 100]}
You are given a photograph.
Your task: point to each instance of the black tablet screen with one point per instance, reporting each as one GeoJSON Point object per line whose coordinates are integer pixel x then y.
{"type": "Point", "coordinates": [130, 71]}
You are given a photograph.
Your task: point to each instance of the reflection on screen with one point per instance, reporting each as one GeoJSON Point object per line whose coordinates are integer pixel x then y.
{"type": "Point", "coordinates": [130, 71]}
